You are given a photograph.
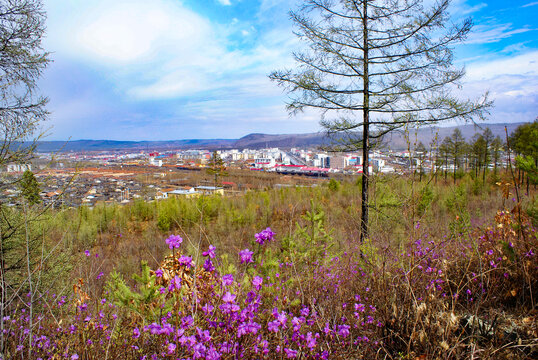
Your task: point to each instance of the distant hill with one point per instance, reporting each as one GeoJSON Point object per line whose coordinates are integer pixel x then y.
{"type": "Point", "coordinates": [112, 145]}
{"type": "Point", "coordinates": [258, 141]}
{"type": "Point", "coordinates": [397, 141]}
{"type": "Point", "coordinates": [394, 141]}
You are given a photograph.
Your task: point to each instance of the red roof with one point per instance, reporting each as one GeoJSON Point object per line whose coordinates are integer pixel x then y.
{"type": "Point", "coordinates": [313, 169]}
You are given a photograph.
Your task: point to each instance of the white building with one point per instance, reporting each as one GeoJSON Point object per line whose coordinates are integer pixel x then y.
{"type": "Point", "coordinates": [264, 163]}
{"type": "Point", "coordinates": [155, 162]}
{"type": "Point", "coordinates": [18, 167]}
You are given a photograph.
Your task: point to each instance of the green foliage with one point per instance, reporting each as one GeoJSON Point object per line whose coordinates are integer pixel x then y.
{"type": "Point", "coordinates": [477, 186]}
{"type": "Point", "coordinates": [24, 237]}
{"type": "Point", "coordinates": [524, 140]}
{"type": "Point", "coordinates": [270, 265]}
{"type": "Point", "coordinates": [165, 218]}
{"type": "Point", "coordinates": [30, 188]}
{"type": "Point", "coordinates": [142, 300]}
{"type": "Point", "coordinates": [532, 211]}
{"type": "Point", "coordinates": [457, 199]}
{"type": "Point", "coordinates": [426, 198]}
{"type": "Point", "coordinates": [217, 167]}
{"type": "Point", "coordinates": [142, 210]}
{"type": "Point", "coordinates": [308, 242]}
{"type": "Point", "coordinates": [385, 196]}
{"type": "Point", "coordinates": [461, 225]}
{"type": "Point", "coordinates": [209, 206]}
{"type": "Point", "coordinates": [369, 253]}
{"type": "Point", "coordinates": [334, 185]}
{"type": "Point", "coordinates": [528, 165]}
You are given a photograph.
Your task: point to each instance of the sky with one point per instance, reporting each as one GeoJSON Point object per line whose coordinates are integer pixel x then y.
{"type": "Point", "coordinates": [197, 69]}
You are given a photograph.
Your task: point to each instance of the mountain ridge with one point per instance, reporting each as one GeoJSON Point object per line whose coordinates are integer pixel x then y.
{"type": "Point", "coordinates": [394, 141]}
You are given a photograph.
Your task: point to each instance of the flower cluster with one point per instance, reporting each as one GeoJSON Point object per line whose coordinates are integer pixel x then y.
{"type": "Point", "coordinates": [245, 256]}
{"type": "Point", "coordinates": [336, 307]}
{"type": "Point", "coordinates": [174, 241]}
{"type": "Point", "coordinates": [264, 236]}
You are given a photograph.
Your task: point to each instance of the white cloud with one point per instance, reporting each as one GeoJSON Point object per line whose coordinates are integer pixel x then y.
{"type": "Point", "coordinates": [524, 65]}
{"type": "Point", "coordinates": [131, 31]}
{"type": "Point", "coordinates": [517, 47]}
{"type": "Point", "coordinates": [534, 3]}
{"type": "Point", "coordinates": [513, 85]}
{"type": "Point", "coordinates": [484, 34]}
{"type": "Point", "coordinates": [269, 4]}
{"type": "Point", "coordinates": [162, 50]}
{"type": "Point", "coordinates": [225, 2]}
{"type": "Point", "coordinates": [175, 84]}
{"type": "Point", "coordinates": [466, 9]}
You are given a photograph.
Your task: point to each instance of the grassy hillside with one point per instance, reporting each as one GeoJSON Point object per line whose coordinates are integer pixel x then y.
{"type": "Point", "coordinates": [450, 272]}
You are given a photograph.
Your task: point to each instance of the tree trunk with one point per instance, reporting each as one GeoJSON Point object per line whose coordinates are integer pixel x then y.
{"type": "Point", "coordinates": [446, 166]}
{"type": "Point", "coordinates": [366, 128]}
{"type": "Point", "coordinates": [455, 162]}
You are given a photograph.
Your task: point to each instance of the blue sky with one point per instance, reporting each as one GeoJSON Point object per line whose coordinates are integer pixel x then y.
{"type": "Point", "coordinates": [171, 69]}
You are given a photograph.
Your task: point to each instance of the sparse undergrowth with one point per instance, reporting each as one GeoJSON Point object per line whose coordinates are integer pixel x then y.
{"type": "Point", "coordinates": [467, 294]}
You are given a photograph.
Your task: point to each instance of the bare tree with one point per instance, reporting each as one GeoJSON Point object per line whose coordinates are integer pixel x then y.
{"type": "Point", "coordinates": [22, 62]}
{"type": "Point", "coordinates": [373, 66]}
{"type": "Point", "coordinates": [488, 139]}
{"type": "Point", "coordinates": [456, 147]}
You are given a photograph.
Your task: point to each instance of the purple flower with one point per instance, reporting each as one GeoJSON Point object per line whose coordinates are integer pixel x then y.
{"type": "Point", "coordinates": [174, 241]}
{"type": "Point", "coordinates": [250, 327]}
{"type": "Point", "coordinates": [171, 348]}
{"type": "Point", "coordinates": [208, 265]}
{"type": "Point", "coordinates": [229, 297]}
{"type": "Point", "coordinates": [186, 261]}
{"type": "Point", "coordinates": [282, 318]}
{"type": "Point", "coordinates": [273, 326]}
{"type": "Point", "coordinates": [158, 273]}
{"type": "Point", "coordinates": [136, 333]}
{"type": "Point", "coordinates": [264, 236]}
{"type": "Point", "coordinates": [290, 353]}
{"type": "Point", "coordinates": [343, 330]}
{"type": "Point", "coordinates": [74, 357]}
{"type": "Point", "coordinates": [311, 340]}
{"type": "Point", "coordinates": [257, 282]}
{"type": "Point", "coordinates": [210, 252]}
{"type": "Point", "coordinates": [87, 253]}
{"type": "Point", "coordinates": [100, 275]}
{"type": "Point", "coordinates": [227, 279]}
{"type": "Point", "coordinates": [246, 256]}
{"type": "Point", "coordinates": [208, 308]}
{"type": "Point", "coordinates": [153, 328]}
{"type": "Point", "coordinates": [187, 322]}
{"type": "Point", "coordinates": [175, 284]}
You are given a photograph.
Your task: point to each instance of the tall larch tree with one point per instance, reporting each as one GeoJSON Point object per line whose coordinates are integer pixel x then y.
{"type": "Point", "coordinates": [374, 66]}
